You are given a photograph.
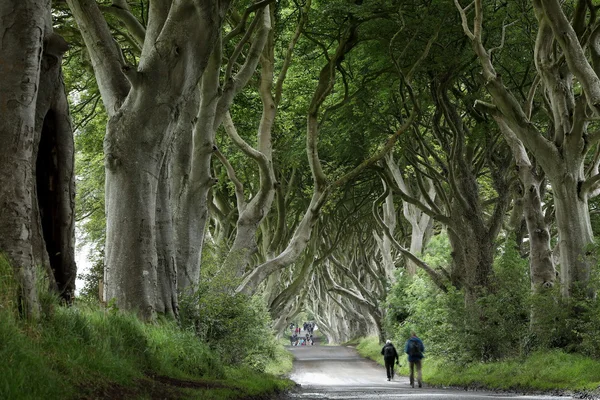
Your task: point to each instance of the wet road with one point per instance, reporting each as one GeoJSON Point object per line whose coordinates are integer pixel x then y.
{"type": "Point", "coordinates": [334, 372]}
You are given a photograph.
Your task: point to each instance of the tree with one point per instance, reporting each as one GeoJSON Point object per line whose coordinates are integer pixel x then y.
{"type": "Point", "coordinates": [36, 145]}
{"type": "Point", "coordinates": [144, 104]}
{"type": "Point", "coordinates": [561, 142]}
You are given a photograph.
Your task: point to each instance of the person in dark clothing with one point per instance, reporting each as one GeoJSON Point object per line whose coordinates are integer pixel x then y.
{"type": "Point", "coordinates": [389, 354]}
{"type": "Point", "coordinates": [415, 349]}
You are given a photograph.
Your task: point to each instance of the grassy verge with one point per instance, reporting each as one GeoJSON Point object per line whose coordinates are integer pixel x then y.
{"type": "Point", "coordinates": [84, 353]}
{"type": "Point", "coordinates": [281, 364]}
{"type": "Point", "coordinates": [544, 370]}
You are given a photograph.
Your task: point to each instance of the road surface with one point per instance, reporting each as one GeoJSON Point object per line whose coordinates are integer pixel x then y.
{"type": "Point", "coordinates": [335, 372]}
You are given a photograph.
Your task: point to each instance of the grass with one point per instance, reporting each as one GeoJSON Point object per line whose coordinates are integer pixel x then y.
{"type": "Point", "coordinates": [88, 353]}
{"type": "Point", "coordinates": [281, 364]}
{"type": "Point", "coordinates": [543, 370]}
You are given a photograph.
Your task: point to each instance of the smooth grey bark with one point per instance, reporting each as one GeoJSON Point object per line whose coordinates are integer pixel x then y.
{"type": "Point", "coordinates": [384, 242]}
{"type": "Point", "coordinates": [167, 303]}
{"type": "Point", "coordinates": [36, 206]}
{"type": "Point", "coordinates": [22, 38]}
{"type": "Point", "coordinates": [250, 214]}
{"type": "Point", "coordinates": [192, 210]}
{"type": "Point", "coordinates": [144, 106]}
{"type": "Point", "coordinates": [420, 221]}
{"type": "Point", "coordinates": [562, 156]}
{"type": "Point", "coordinates": [180, 165]}
{"type": "Point", "coordinates": [214, 106]}
{"type": "Point", "coordinates": [541, 263]}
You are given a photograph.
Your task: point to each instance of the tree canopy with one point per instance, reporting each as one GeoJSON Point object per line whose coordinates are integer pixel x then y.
{"type": "Point", "coordinates": [321, 154]}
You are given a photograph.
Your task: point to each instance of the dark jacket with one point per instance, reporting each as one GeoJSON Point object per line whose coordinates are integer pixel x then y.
{"type": "Point", "coordinates": [421, 347]}
{"type": "Point", "coordinates": [394, 353]}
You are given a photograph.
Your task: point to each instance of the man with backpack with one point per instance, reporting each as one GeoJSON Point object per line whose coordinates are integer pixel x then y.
{"type": "Point", "coordinates": [389, 354]}
{"type": "Point", "coordinates": [415, 349]}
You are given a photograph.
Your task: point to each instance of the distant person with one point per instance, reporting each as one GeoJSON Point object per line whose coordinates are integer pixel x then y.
{"type": "Point", "coordinates": [415, 349]}
{"type": "Point", "coordinates": [389, 354]}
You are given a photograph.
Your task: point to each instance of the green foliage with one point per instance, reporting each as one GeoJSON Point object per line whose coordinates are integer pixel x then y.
{"type": "Point", "coordinates": [9, 288]}
{"type": "Point", "coordinates": [495, 326]}
{"type": "Point", "coordinates": [91, 287]}
{"type": "Point", "coordinates": [541, 370]}
{"type": "Point", "coordinates": [235, 326]}
{"type": "Point", "coordinates": [82, 351]}
{"type": "Point", "coordinates": [571, 324]}
{"type": "Point", "coordinates": [502, 323]}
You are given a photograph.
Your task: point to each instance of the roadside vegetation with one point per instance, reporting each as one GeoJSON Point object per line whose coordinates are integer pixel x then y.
{"type": "Point", "coordinates": [547, 370]}
{"type": "Point", "coordinates": [509, 348]}
{"type": "Point", "coordinates": [86, 352]}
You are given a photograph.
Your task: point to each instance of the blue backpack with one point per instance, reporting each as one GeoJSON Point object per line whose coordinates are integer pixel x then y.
{"type": "Point", "coordinates": [414, 349]}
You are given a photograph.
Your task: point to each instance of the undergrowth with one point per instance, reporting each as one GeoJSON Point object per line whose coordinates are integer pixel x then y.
{"type": "Point", "coordinates": [541, 370]}
{"type": "Point", "coordinates": [79, 352]}
{"type": "Point", "coordinates": [84, 352]}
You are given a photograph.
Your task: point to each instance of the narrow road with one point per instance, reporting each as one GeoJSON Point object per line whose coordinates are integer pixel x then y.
{"type": "Point", "coordinates": [335, 372]}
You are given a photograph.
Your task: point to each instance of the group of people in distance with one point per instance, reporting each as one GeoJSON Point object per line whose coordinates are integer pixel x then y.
{"type": "Point", "coordinates": [297, 340]}
{"type": "Point", "coordinates": [414, 348]}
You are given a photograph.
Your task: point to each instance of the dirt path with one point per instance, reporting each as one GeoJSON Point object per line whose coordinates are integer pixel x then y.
{"type": "Point", "coordinates": [335, 372]}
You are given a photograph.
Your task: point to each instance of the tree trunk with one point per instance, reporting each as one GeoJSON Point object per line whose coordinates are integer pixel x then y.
{"type": "Point", "coordinates": [36, 146]}
{"type": "Point", "coordinates": [54, 170]}
{"type": "Point", "coordinates": [561, 157]}
{"type": "Point", "coordinates": [130, 275]}
{"type": "Point", "coordinates": [144, 105]}
{"type": "Point", "coordinates": [167, 303]}
{"type": "Point", "coordinates": [22, 38]}
{"type": "Point", "coordinates": [180, 165]}
{"type": "Point", "coordinates": [420, 221]}
{"type": "Point", "coordinates": [575, 234]}
{"type": "Point", "coordinates": [541, 264]}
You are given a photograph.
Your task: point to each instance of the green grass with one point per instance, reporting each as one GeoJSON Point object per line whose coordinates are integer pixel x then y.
{"type": "Point", "coordinates": [84, 352]}
{"type": "Point", "coordinates": [282, 363]}
{"type": "Point", "coordinates": [543, 370]}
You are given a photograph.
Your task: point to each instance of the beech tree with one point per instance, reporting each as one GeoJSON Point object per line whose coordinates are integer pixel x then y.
{"type": "Point", "coordinates": [561, 142]}
{"type": "Point", "coordinates": [36, 152]}
{"type": "Point", "coordinates": [144, 104]}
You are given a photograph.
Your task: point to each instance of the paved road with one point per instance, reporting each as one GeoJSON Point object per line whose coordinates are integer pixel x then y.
{"type": "Point", "coordinates": [334, 372]}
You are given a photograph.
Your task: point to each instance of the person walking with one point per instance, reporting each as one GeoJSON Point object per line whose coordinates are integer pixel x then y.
{"type": "Point", "coordinates": [415, 349]}
{"type": "Point", "coordinates": [389, 354]}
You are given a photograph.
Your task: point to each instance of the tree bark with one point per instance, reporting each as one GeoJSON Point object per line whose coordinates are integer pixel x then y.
{"type": "Point", "coordinates": [23, 33]}
{"type": "Point", "coordinates": [54, 170]}
{"type": "Point", "coordinates": [144, 107]}
{"type": "Point", "coordinates": [541, 263]}
{"type": "Point", "coordinates": [562, 157]}
{"type": "Point", "coordinates": [419, 221]}
{"type": "Point", "coordinates": [36, 146]}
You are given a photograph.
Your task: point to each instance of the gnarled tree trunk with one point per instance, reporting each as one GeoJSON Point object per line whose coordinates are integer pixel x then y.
{"type": "Point", "coordinates": [36, 146]}
{"type": "Point", "coordinates": [144, 105]}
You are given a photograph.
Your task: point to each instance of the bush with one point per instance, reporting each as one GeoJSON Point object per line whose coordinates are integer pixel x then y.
{"type": "Point", "coordinates": [235, 326]}
{"type": "Point", "coordinates": [496, 326]}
